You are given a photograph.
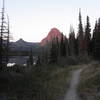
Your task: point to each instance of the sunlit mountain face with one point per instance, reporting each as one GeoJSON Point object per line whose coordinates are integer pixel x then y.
{"type": "Point", "coordinates": [54, 33]}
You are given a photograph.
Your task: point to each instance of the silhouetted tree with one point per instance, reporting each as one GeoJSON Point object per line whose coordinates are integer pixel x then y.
{"type": "Point", "coordinates": [96, 40]}
{"type": "Point", "coordinates": [76, 47]}
{"type": "Point", "coordinates": [63, 46]}
{"type": "Point", "coordinates": [53, 56]}
{"type": "Point", "coordinates": [30, 60]}
{"type": "Point", "coordinates": [72, 42]}
{"type": "Point", "coordinates": [38, 61]}
{"type": "Point", "coordinates": [44, 55]}
{"type": "Point", "coordinates": [87, 37]}
{"type": "Point", "coordinates": [66, 46]}
{"type": "Point", "coordinates": [4, 39]}
{"type": "Point", "coordinates": [80, 37]}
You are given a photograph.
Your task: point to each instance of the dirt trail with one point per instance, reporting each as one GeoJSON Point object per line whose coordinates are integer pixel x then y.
{"type": "Point", "coordinates": [72, 92]}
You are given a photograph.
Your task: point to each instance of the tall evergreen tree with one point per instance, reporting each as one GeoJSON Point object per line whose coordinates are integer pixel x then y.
{"type": "Point", "coordinates": [72, 42]}
{"type": "Point", "coordinates": [76, 47]}
{"type": "Point", "coordinates": [4, 39]}
{"type": "Point", "coordinates": [63, 46]}
{"type": "Point", "coordinates": [30, 60]}
{"type": "Point", "coordinates": [93, 41]}
{"type": "Point", "coordinates": [96, 40]}
{"type": "Point", "coordinates": [66, 46]}
{"type": "Point", "coordinates": [87, 37]}
{"type": "Point", "coordinates": [53, 56]}
{"type": "Point", "coordinates": [80, 36]}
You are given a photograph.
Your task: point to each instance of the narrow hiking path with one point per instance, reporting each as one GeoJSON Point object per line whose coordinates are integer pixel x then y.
{"type": "Point", "coordinates": [72, 91]}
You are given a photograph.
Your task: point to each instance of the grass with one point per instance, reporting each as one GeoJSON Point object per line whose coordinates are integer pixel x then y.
{"type": "Point", "coordinates": [53, 81]}
{"type": "Point", "coordinates": [89, 86]}
{"type": "Point", "coordinates": [48, 82]}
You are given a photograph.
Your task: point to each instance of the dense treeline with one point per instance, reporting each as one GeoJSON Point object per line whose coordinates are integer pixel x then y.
{"type": "Point", "coordinates": [84, 45]}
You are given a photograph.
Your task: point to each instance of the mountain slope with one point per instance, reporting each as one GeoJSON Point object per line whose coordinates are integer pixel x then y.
{"type": "Point", "coordinates": [54, 33]}
{"type": "Point", "coordinates": [21, 45]}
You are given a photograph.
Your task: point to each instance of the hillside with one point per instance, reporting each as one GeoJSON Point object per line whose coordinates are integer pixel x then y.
{"type": "Point", "coordinates": [54, 33]}
{"type": "Point", "coordinates": [23, 46]}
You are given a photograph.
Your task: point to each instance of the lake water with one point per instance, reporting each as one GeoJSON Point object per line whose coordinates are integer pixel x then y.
{"type": "Point", "coordinates": [20, 60]}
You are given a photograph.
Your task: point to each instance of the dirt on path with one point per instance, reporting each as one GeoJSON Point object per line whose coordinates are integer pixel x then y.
{"type": "Point", "coordinates": [72, 91]}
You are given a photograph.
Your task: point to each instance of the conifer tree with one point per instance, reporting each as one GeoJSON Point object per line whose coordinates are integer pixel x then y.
{"type": "Point", "coordinates": [72, 42]}
{"type": "Point", "coordinates": [53, 52]}
{"type": "Point", "coordinates": [4, 39]}
{"type": "Point", "coordinates": [80, 36]}
{"type": "Point", "coordinates": [96, 40]}
{"type": "Point", "coordinates": [63, 46]}
{"type": "Point", "coordinates": [87, 37]}
{"type": "Point", "coordinates": [93, 41]}
{"type": "Point", "coordinates": [76, 47]}
{"type": "Point", "coordinates": [30, 60]}
{"type": "Point", "coordinates": [38, 61]}
{"type": "Point", "coordinates": [66, 46]}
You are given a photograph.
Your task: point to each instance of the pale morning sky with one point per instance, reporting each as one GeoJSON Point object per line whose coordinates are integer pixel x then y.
{"type": "Point", "coordinates": [33, 19]}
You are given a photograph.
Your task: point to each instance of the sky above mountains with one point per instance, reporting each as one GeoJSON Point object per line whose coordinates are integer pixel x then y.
{"type": "Point", "coordinates": [33, 19]}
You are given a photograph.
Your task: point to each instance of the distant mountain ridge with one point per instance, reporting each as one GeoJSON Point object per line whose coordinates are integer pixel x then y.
{"type": "Point", "coordinates": [22, 45]}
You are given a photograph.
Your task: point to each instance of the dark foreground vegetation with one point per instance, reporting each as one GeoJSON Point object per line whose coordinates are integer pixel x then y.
{"type": "Point", "coordinates": [89, 87]}
{"type": "Point", "coordinates": [48, 82]}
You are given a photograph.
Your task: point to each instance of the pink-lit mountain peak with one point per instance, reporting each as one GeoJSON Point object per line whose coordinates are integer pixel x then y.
{"type": "Point", "coordinates": [54, 33]}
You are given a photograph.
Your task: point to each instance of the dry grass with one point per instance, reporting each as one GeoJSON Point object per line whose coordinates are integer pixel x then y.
{"type": "Point", "coordinates": [55, 83]}
{"type": "Point", "coordinates": [49, 82]}
{"type": "Point", "coordinates": [90, 82]}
